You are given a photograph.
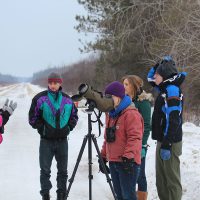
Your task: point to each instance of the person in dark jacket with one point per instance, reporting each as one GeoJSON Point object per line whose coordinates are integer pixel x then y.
{"type": "Point", "coordinates": [123, 151]}
{"type": "Point", "coordinates": [167, 127]}
{"type": "Point", "coordinates": [5, 113]}
{"type": "Point", "coordinates": [133, 87]}
{"type": "Point", "coordinates": [54, 115]}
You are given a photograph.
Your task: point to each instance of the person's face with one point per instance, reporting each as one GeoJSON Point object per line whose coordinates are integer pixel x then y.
{"type": "Point", "coordinates": [54, 86]}
{"type": "Point", "coordinates": [128, 87]}
{"type": "Point", "coordinates": [116, 100]}
{"type": "Point", "coordinates": [158, 79]}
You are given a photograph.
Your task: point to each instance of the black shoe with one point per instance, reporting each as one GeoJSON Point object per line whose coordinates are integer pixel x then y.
{"type": "Point", "coordinates": [46, 197]}
{"type": "Point", "coordinates": [61, 196]}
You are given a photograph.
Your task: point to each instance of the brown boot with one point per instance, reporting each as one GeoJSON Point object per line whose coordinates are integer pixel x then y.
{"type": "Point", "coordinates": [142, 195]}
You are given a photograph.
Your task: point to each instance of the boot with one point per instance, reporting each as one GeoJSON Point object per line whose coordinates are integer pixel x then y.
{"type": "Point", "coordinates": [61, 196]}
{"type": "Point", "coordinates": [46, 197]}
{"type": "Point", "coordinates": [142, 195]}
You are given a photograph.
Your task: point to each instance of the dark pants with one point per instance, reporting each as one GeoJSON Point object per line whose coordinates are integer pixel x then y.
{"type": "Point", "coordinates": [124, 183]}
{"type": "Point", "coordinates": [49, 149]}
{"type": "Point", "coordinates": [142, 181]}
{"type": "Point", "coordinates": [168, 176]}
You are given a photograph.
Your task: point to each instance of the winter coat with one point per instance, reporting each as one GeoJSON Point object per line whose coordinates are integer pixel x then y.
{"type": "Point", "coordinates": [53, 115]}
{"type": "Point", "coordinates": [167, 114]}
{"type": "Point", "coordinates": [128, 142]}
{"type": "Point", "coordinates": [5, 117]}
{"type": "Point", "coordinates": [142, 103]}
{"type": "Point", "coordinates": [1, 122]}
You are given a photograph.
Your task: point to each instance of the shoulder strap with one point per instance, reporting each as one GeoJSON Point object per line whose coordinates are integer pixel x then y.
{"type": "Point", "coordinates": [115, 120]}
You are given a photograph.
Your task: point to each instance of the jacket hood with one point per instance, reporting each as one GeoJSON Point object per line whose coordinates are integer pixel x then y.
{"type": "Point", "coordinates": [145, 96]}
{"type": "Point", "coordinates": [176, 80]}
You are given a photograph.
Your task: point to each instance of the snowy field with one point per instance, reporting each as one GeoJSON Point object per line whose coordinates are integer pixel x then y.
{"type": "Point", "coordinates": [19, 159]}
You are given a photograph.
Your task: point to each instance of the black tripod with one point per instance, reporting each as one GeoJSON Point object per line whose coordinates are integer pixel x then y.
{"type": "Point", "coordinates": [90, 137]}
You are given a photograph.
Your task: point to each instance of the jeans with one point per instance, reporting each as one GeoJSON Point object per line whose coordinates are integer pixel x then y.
{"type": "Point", "coordinates": [49, 149]}
{"type": "Point", "coordinates": [124, 183]}
{"type": "Point", "coordinates": [142, 181]}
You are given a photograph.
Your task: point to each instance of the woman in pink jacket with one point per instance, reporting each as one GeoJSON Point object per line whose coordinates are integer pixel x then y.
{"type": "Point", "coordinates": [123, 142]}
{"type": "Point", "coordinates": [1, 123]}
{"type": "Point", "coordinates": [5, 112]}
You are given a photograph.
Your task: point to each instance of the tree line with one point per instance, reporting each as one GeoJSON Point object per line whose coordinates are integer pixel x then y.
{"type": "Point", "coordinates": [7, 79]}
{"type": "Point", "coordinates": [73, 75]}
{"type": "Point", "coordinates": [132, 35]}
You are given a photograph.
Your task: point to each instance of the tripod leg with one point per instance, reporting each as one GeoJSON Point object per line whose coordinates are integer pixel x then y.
{"type": "Point", "coordinates": [104, 168]}
{"type": "Point", "coordinates": [77, 163]}
{"type": "Point", "coordinates": [90, 176]}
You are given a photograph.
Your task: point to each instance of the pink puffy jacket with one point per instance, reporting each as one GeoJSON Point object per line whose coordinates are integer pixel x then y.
{"type": "Point", "coordinates": [1, 122]}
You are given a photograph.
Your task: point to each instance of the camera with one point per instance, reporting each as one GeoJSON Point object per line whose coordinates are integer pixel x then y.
{"type": "Point", "coordinates": [110, 134]}
{"type": "Point", "coordinates": [102, 103]}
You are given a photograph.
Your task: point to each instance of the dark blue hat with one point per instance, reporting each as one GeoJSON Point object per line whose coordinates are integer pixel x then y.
{"type": "Point", "coordinates": [167, 68]}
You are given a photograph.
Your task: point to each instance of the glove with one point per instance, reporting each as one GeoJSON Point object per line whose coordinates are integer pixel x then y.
{"type": "Point", "coordinates": [152, 72]}
{"type": "Point", "coordinates": [10, 107]}
{"type": "Point", "coordinates": [144, 151]}
{"type": "Point", "coordinates": [127, 165]}
{"type": "Point", "coordinates": [101, 167]}
{"type": "Point", "coordinates": [5, 104]}
{"type": "Point", "coordinates": [165, 154]}
{"type": "Point", "coordinates": [165, 150]}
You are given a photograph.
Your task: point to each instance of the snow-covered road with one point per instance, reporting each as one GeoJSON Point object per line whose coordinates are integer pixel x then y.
{"type": "Point", "coordinates": [19, 165]}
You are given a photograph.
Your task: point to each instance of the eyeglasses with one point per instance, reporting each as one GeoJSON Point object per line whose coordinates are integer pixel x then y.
{"type": "Point", "coordinates": [108, 95]}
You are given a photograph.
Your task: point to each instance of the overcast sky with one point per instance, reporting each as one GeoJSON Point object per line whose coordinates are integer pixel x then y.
{"type": "Point", "coordinates": [36, 34]}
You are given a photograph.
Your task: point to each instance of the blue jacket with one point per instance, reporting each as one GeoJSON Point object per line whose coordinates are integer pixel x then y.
{"type": "Point", "coordinates": [167, 114]}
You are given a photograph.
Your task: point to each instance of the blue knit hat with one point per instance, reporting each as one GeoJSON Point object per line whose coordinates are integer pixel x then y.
{"type": "Point", "coordinates": [115, 88]}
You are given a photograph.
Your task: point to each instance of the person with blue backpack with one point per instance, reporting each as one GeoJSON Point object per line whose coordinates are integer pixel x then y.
{"type": "Point", "coordinates": [54, 115]}
{"type": "Point", "coordinates": [167, 127]}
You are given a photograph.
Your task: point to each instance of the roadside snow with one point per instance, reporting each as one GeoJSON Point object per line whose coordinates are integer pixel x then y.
{"type": "Point", "coordinates": [19, 165]}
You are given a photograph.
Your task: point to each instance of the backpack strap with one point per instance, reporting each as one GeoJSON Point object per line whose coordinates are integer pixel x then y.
{"type": "Point", "coordinates": [168, 109]}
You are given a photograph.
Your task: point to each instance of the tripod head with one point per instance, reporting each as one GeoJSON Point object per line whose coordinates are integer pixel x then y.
{"type": "Point", "coordinates": [91, 105]}
{"type": "Point", "coordinates": [91, 109]}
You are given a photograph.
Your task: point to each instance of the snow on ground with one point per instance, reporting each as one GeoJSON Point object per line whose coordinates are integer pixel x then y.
{"type": "Point", "coordinates": [19, 163]}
